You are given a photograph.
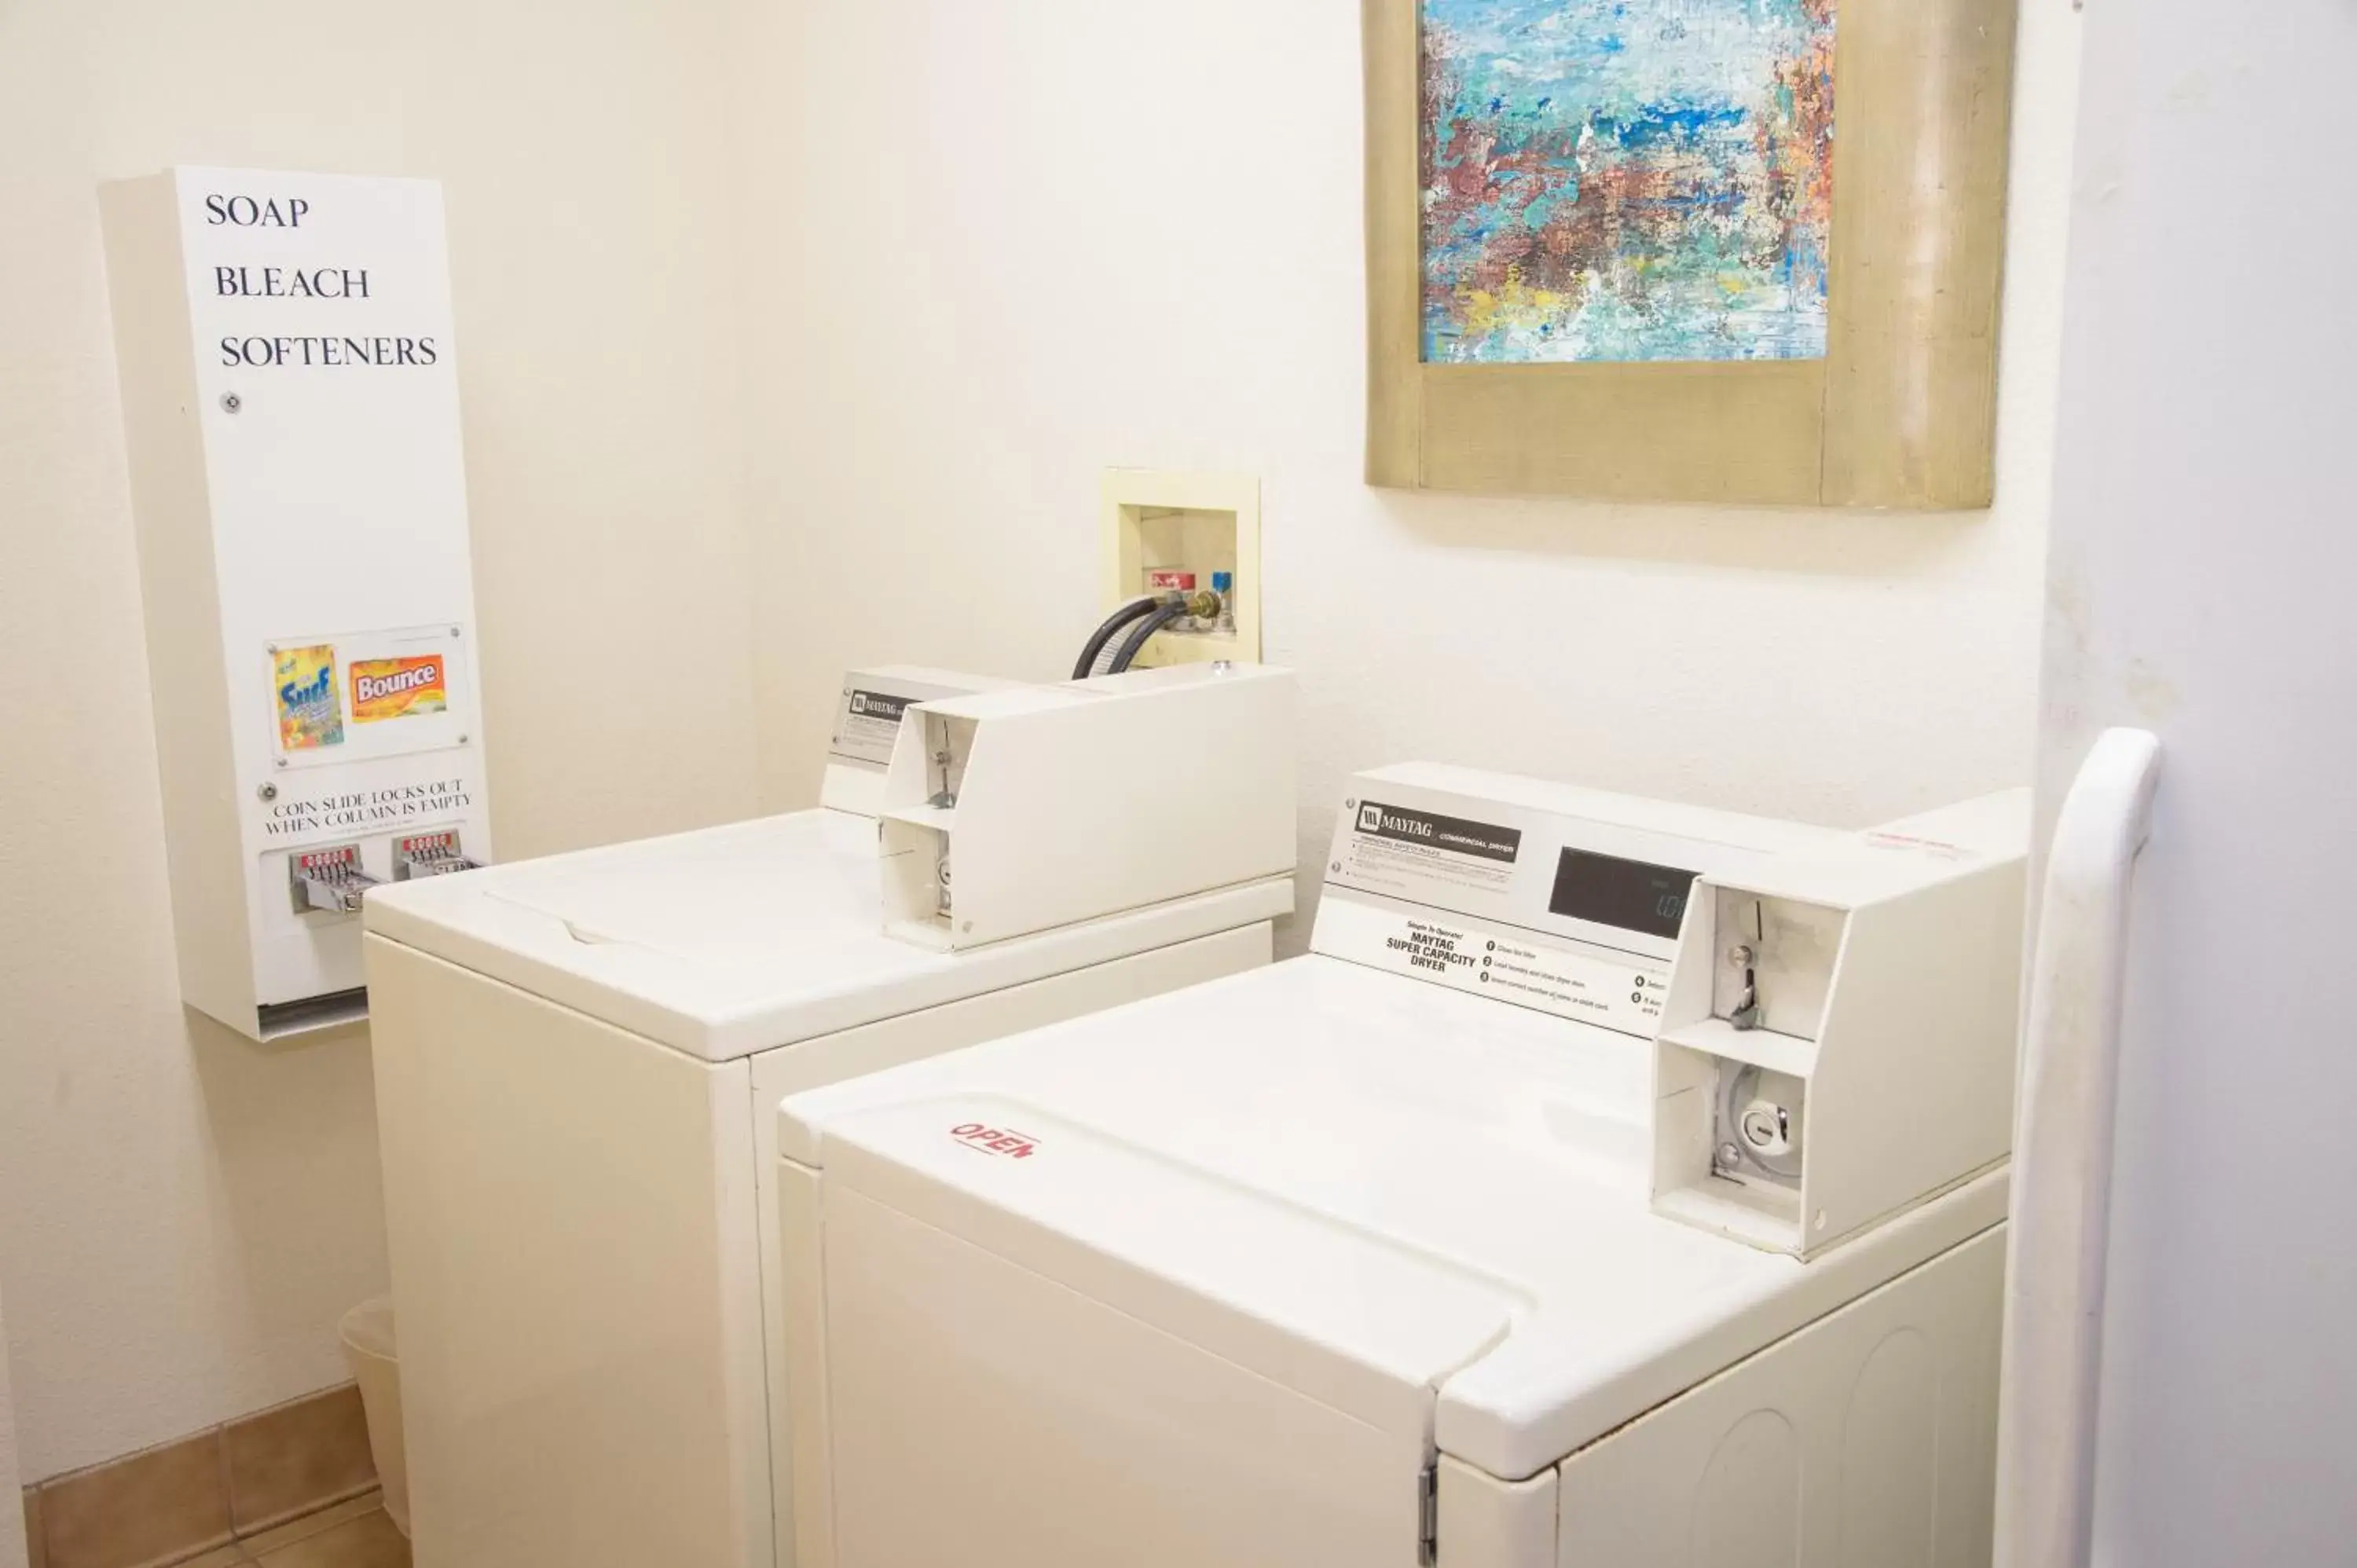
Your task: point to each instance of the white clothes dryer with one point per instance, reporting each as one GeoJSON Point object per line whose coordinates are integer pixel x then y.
{"type": "Point", "coordinates": [1398, 1252]}
{"type": "Point", "coordinates": [578, 1061]}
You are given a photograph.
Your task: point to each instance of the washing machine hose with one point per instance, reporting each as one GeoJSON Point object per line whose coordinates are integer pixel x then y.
{"type": "Point", "coordinates": [1132, 611]}
{"type": "Point", "coordinates": [1137, 640]}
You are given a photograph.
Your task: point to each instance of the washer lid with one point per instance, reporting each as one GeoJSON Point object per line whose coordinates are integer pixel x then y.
{"type": "Point", "coordinates": [739, 938]}
{"type": "Point", "coordinates": [1419, 1206]}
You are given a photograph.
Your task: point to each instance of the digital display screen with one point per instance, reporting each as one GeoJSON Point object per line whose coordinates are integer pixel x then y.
{"type": "Point", "coordinates": [1629, 894]}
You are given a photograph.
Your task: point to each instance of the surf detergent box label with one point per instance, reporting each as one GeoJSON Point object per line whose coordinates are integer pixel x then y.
{"type": "Point", "coordinates": [310, 708]}
{"type": "Point", "coordinates": [397, 688]}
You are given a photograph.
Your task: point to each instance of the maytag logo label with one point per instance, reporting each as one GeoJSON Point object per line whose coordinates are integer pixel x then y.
{"type": "Point", "coordinates": [876, 705]}
{"type": "Point", "coordinates": [1004, 1141]}
{"type": "Point", "coordinates": [1485, 840]}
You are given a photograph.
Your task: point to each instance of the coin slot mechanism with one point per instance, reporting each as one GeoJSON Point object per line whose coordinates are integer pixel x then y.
{"type": "Point", "coordinates": [1758, 1125]}
{"type": "Point", "coordinates": [1776, 962]}
{"type": "Point", "coordinates": [948, 749]}
{"type": "Point", "coordinates": [328, 881]}
{"type": "Point", "coordinates": [420, 855]}
{"type": "Point", "coordinates": [1093, 798]}
{"type": "Point", "coordinates": [1838, 1046]}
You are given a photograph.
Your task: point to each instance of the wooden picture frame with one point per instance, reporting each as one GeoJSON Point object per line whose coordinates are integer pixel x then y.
{"type": "Point", "coordinates": [1900, 412]}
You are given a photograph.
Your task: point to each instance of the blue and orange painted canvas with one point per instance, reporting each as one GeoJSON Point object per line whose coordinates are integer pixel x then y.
{"type": "Point", "coordinates": [1621, 180]}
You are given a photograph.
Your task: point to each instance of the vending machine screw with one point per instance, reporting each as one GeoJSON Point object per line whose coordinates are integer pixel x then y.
{"type": "Point", "coordinates": [231, 403]}
{"type": "Point", "coordinates": [268, 791]}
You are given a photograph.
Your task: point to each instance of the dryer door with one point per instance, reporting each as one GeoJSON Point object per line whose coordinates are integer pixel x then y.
{"type": "Point", "coordinates": [1088, 1356]}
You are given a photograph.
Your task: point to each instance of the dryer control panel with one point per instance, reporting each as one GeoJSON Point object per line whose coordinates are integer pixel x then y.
{"type": "Point", "coordinates": [1565, 901]}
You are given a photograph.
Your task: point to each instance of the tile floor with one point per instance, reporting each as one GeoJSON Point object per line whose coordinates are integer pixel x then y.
{"type": "Point", "coordinates": [356, 1534]}
{"type": "Point", "coordinates": [258, 1481]}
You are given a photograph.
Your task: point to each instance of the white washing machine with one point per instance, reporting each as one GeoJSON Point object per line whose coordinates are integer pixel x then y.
{"type": "Point", "coordinates": [578, 1061]}
{"type": "Point", "coordinates": [1615, 1184]}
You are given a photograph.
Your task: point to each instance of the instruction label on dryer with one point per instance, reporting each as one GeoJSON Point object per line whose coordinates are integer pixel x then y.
{"type": "Point", "coordinates": [1619, 993]}
{"type": "Point", "coordinates": [1429, 945]}
{"type": "Point", "coordinates": [1405, 851]}
{"type": "Point", "coordinates": [1616, 991]}
{"type": "Point", "coordinates": [868, 724]}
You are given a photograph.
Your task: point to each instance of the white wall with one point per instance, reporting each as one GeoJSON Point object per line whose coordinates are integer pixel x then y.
{"type": "Point", "coordinates": [2203, 563]}
{"type": "Point", "coordinates": [1004, 245]}
{"type": "Point", "coordinates": [183, 1215]}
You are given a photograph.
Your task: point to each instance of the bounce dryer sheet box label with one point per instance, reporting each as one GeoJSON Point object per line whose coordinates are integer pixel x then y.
{"type": "Point", "coordinates": [397, 688]}
{"type": "Point", "coordinates": [311, 708]}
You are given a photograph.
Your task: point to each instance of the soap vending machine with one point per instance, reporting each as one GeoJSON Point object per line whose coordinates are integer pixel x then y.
{"type": "Point", "coordinates": [291, 409]}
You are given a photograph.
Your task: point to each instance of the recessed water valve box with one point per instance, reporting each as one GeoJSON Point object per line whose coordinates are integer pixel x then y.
{"type": "Point", "coordinates": [290, 403]}
{"type": "Point", "coordinates": [1839, 1042]}
{"type": "Point", "coordinates": [1193, 533]}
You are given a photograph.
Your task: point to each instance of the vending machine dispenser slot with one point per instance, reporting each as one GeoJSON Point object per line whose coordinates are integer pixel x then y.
{"type": "Point", "coordinates": [428, 855]}
{"type": "Point", "coordinates": [329, 881]}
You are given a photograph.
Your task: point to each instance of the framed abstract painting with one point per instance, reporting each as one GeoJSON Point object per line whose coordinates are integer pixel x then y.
{"type": "Point", "coordinates": [1734, 251]}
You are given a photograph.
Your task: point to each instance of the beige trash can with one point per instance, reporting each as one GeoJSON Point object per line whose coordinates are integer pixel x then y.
{"type": "Point", "coordinates": [375, 1356]}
